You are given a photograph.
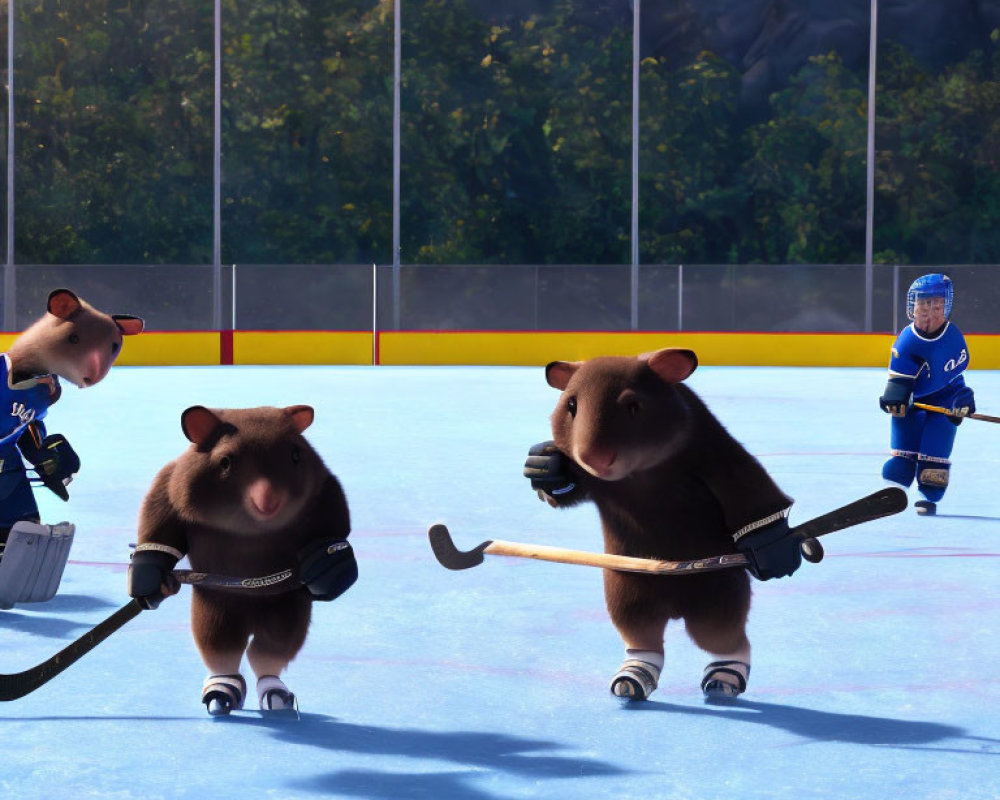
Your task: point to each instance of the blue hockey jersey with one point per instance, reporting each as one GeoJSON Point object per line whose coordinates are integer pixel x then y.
{"type": "Point", "coordinates": [21, 403]}
{"type": "Point", "coordinates": [933, 364]}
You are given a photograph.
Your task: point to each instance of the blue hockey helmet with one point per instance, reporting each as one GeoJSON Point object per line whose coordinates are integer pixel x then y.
{"type": "Point", "coordinates": [933, 285]}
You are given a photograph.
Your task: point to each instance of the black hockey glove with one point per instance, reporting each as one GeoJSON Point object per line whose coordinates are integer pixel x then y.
{"type": "Point", "coordinates": [548, 470]}
{"type": "Point", "coordinates": [55, 461]}
{"type": "Point", "coordinates": [148, 572]}
{"type": "Point", "coordinates": [963, 404]}
{"type": "Point", "coordinates": [328, 568]}
{"type": "Point", "coordinates": [771, 550]}
{"type": "Point", "coordinates": [897, 397]}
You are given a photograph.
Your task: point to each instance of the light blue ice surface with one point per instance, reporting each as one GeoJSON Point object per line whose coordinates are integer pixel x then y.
{"type": "Point", "coordinates": [874, 672]}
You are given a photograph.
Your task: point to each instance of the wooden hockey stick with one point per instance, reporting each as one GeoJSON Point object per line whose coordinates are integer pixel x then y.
{"type": "Point", "coordinates": [882, 503]}
{"type": "Point", "coordinates": [18, 684]}
{"type": "Point", "coordinates": [950, 413]}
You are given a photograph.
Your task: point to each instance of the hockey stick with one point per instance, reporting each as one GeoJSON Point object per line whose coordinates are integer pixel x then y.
{"type": "Point", "coordinates": [19, 684]}
{"type": "Point", "coordinates": [950, 413]}
{"type": "Point", "coordinates": [882, 503]}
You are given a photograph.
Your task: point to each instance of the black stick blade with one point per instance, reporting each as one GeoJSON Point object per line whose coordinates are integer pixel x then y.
{"type": "Point", "coordinates": [882, 503]}
{"type": "Point", "coordinates": [450, 556]}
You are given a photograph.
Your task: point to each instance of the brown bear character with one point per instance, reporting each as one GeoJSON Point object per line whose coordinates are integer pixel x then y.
{"type": "Point", "coordinates": [78, 343]}
{"type": "Point", "coordinates": [250, 497]}
{"type": "Point", "coordinates": [669, 483]}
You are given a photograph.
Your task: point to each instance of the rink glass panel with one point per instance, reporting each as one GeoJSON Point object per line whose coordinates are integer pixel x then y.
{"type": "Point", "coordinates": [516, 133]}
{"type": "Point", "coordinates": [937, 137]}
{"type": "Point", "coordinates": [752, 139]}
{"type": "Point", "coordinates": [114, 106]}
{"type": "Point", "coordinates": [306, 132]}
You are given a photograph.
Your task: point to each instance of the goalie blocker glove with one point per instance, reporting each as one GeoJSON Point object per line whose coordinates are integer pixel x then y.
{"type": "Point", "coordinates": [55, 461]}
{"type": "Point", "coordinates": [149, 569]}
{"type": "Point", "coordinates": [771, 550]}
{"type": "Point", "coordinates": [548, 470]}
{"type": "Point", "coordinates": [328, 568]}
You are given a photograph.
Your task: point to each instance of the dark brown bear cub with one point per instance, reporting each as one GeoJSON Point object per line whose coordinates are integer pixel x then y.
{"type": "Point", "coordinates": [250, 497]}
{"type": "Point", "coordinates": [669, 483]}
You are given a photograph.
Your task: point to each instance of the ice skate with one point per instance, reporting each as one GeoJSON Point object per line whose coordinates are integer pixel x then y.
{"type": "Point", "coordinates": [273, 695]}
{"type": "Point", "coordinates": [635, 680]}
{"type": "Point", "coordinates": [725, 680]}
{"type": "Point", "coordinates": [222, 694]}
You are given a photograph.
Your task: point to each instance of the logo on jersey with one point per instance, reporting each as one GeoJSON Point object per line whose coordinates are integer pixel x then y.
{"type": "Point", "coordinates": [954, 363]}
{"type": "Point", "coordinates": [24, 414]}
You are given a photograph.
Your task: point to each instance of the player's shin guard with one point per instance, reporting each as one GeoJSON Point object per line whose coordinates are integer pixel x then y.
{"type": "Point", "coordinates": [932, 477]}
{"type": "Point", "coordinates": [33, 562]}
{"type": "Point", "coordinates": [900, 468]}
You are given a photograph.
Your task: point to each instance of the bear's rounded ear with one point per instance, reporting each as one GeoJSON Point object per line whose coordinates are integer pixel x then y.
{"type": "Point", "coordinates": [198, 422]}
{"type": "Point", "coordinates": [301, 416]}
{"type": "Point", "coordinates": [128, 325]}
{"type": "Point", "coordinates": [672, 364]}
{"type": "Point", "coordinates": [558, 373]}
{"type": "Point", "coordinates": [63, 303]}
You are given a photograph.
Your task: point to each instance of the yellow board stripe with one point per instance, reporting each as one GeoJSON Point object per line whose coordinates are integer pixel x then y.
{"type": "Point", "coordinates": [302, 347]}
{"type": "Point", "coordinates": [524, 348]}
{"type": "Point", "coordinates": [535, 348]}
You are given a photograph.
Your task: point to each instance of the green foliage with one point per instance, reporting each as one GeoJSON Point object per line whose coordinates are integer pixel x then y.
{"type": "Point", "coordinates": [938, 167]}
{"type": "Point", "coordinates": [516, 142]}
{"type": "Point", "coordinates": [113, 134]}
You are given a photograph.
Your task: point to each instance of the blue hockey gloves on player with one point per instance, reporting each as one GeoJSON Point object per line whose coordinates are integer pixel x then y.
{"type": "Point", "coordinates": [150, 578]}
{"type": "Point", "coordinates": [963, 404]}
{"type": "Point", "coordinates": [770, 548]}
{"type": "Point", "coordinates": [897, 397]}
{"type": "Point", "coordinates": [328, 568]}
{"type": "Point", "coordinates": [548, 470]}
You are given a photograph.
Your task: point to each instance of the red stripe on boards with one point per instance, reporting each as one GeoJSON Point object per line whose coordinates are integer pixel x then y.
{"type": "Point", "coordinates": [225, 347]}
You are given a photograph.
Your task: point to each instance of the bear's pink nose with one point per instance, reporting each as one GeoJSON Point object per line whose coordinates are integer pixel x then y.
{"type": "Point", "coordinates": [599, 459]}
{"type": "Point", "coordinates": [264, 499]}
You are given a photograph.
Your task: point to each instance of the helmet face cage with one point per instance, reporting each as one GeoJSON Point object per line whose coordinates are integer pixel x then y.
{"type": "Point", "coordinates": [933, 285]}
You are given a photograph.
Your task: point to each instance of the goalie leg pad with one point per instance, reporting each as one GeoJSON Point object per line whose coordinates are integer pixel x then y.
{"type": "Point", "coordinates": [33, 562]}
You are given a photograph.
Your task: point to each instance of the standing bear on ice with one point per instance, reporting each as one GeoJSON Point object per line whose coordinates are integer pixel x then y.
{"type": "Point", "coordinates": [250, 497]}
{"type": "Point", "coordinates": [669, 483]}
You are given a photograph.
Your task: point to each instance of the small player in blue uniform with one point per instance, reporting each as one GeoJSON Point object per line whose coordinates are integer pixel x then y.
{"type": "Point", "coordinates": [928, 360]}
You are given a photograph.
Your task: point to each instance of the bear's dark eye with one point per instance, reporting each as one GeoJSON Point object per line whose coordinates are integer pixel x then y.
{"type": "Point", "coordinates": [296, 455]}
{"type": "Point", "coordinates": [74, 338]}
{"type": "Point", "coordinates": [571, 406]}
{"type": "Point", "coordinates": [633, 408]}
{"type": "Point", "coordinates": [225, 465]}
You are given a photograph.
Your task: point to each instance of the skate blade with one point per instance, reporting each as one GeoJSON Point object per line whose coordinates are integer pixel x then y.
{"type": "Point", "coordinates": [277, 715]}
